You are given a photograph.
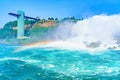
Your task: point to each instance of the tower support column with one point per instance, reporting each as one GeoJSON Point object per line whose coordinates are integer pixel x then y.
{"type": "Point", "coordinates": [20, 25]}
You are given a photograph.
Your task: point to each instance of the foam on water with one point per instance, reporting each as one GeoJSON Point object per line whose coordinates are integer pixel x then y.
{"type": "Point", "coordinates": [18, 59]}
{"type": "Point", "coordinates": [46, 63]}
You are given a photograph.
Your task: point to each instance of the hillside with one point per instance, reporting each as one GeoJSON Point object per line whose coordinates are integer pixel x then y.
{"type": "Point", "coordinates": [36, 31]}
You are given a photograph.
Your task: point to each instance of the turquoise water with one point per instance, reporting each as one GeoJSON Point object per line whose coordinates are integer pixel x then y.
{"type": "Point", "coordinates": [56, 64]}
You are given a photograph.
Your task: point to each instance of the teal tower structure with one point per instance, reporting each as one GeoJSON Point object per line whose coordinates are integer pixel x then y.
{"type": "Point", "coordinates": [20, 24]}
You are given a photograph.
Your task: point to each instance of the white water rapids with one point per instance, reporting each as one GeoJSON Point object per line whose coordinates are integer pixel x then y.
{"type": "Point", "coordinates": [99, 32]}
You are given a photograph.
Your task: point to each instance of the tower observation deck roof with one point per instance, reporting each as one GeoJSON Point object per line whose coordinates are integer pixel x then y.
{"type": "Point", "coordinates": [27, 17]}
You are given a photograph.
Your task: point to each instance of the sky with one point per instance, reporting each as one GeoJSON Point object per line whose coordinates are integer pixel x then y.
{"type": "Point", "coordinates": [57, 8]}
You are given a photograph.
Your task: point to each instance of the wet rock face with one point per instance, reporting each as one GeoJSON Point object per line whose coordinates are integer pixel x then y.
{"type": "Point", "coordinates": [114, 47]}
{"type": "Point", "coordinates": [94, 44]}
{"type": "Point", "coordinates": [118, 41]}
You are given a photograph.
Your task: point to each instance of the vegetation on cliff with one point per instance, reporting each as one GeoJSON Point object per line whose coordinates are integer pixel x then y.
{"type": "Point", "coordinates": [37, 31]}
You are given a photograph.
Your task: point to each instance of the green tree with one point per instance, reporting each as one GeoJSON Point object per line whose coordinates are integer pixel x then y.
{"type": "Point", "coordinates": [56, 19]}
{"type": "Point", "coordinates": [38, 18]}
{"type": "Point", "coordinates": [73, 18]}
{"type": "Point", "coordinates": [52, 18]}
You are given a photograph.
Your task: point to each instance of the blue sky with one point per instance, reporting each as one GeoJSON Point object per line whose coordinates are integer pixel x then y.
{"type": "Point", "coordinates": [57, 8]}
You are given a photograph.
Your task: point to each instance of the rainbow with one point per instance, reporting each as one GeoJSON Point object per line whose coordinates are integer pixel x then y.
{"type": "Point", "coordinates": [37, 44]}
